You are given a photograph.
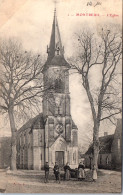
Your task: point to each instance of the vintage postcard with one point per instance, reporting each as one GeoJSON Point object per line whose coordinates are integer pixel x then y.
{"type": "Point", "coordinates": [60, 96]}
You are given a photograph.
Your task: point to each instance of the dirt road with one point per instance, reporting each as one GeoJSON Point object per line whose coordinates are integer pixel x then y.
{"type": "Point", "coordinates": [33, 182]}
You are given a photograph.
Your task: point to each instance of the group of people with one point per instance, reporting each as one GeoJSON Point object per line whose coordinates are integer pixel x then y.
{"type": "Point", "coordinates": [56, 170]}
{"type": "Point", "coordinates": [67, 169]}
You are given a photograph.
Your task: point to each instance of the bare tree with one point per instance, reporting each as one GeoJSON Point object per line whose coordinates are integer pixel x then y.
{"type": "Point", "coordinates": [102, 54]}
{"type": "Point", "coordinates": [20, 84]}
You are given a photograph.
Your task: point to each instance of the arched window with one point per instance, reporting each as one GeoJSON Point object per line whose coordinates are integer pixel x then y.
{"type": "Point", "coordinates": [107, 160]}
{"type": "Point", "coordinates": [74, 157]}
{"type": "Point", "coordinates": [68, 157]}
{"type": "Point", "coordinates": [59, 86]}
{"type": "Point", "coordinates": [41, 138]}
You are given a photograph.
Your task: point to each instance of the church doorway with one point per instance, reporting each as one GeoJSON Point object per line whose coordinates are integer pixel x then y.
{"type": "Point", "coordinates": [59, 158]}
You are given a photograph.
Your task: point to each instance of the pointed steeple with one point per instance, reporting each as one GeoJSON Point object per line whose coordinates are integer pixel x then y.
{"type": "Point", "coordinates": [55, 50]}
{"type": "Point", "coordinates": [55, 47]}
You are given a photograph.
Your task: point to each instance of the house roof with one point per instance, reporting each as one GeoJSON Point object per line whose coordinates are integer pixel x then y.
{"type": "Point", "coordinates": [105, 145]}
{"type": "Point", "coordinates": [106, 141]}
{"type": "Point", "coordinates": [35, 123]}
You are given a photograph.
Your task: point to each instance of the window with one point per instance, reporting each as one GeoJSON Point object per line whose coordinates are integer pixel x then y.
{"type": "Point", "coordinates": [118, 144]}
{"type": "Point", "coordinates": [68, 132]}
{"type": "Point", "coordinates": [24, 139]}
{"type": "Point", "coordinates": [41, 138]}
{"type": "Point", "coordinates": [68, 157]}
{"type": "Point", "coordinates": [74, 157]}
{"type": "Point", "coordinates": [74, 138]}
{"type": "Point", "coordinates": [20, 139]}
{"type": "Point", "coordinates": [59, 86]}
{"type": "Point", "coordinates": [107, 160]}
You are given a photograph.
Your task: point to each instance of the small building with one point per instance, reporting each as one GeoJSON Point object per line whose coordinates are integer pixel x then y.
{"type": "Point", "coordinates": [110, 150]}
{"type": "Point", "coordinates": [5, 152]}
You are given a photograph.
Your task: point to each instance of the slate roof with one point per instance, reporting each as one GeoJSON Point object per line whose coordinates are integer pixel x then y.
{"type": "Point", "coordinates": [57, 60]}
{"type": "Point", "coordinates": [106, 141]}
{"type": "Point", "coordinates": [55, 40]}
{"type": "Point", "coordinates": [55, 50]}
{"type": "Point", "coordinates": [36, 123]}
{"type": "Point", "coordinates": [105, 145]}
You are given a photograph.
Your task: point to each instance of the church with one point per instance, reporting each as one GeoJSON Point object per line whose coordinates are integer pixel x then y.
{"type": "Point", "coordinates": [51, 136]}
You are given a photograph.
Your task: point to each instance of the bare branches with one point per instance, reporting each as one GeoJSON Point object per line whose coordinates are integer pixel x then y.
{"type": "Point", "coordinates": [106, 55]}
{"type": "Point", "coordinates": [102, 54]}
{"type": "Point", "coordinates": [20, 73]}
{"type": "Point", "coordinates": [108, 117]}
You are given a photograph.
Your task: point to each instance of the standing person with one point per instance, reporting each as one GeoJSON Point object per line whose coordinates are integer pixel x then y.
{"type": "Point", "coordinates": [94, 173]}
{"type": "Point", "coordinates": [46, 169]}
{"type": "Point", "coordinates": [57, 172]}
{"type": "Point", "coordinates": [91, 159]}
{"type": "Point", "coordinates": [67, 171]}
{"type": "Point", "coordinates": [81, 171]}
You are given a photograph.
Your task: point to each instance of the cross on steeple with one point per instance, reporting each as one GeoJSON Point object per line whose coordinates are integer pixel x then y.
{"type": "Point", "coordinates": [55, 49]}
{"type": "Point", "coordinates": [55, 2]}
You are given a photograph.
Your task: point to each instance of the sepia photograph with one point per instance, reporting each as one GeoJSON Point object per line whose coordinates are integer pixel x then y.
{"type": "Point", "coordinates": [61, 96]}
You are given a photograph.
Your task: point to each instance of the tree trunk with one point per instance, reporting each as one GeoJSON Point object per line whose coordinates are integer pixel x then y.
{"type": "Point", "coordinates": [95, 155]}
{"type": "Point", "coordinates": [95, 144]}
{"type": "Point", "coordinates": [13, 140]}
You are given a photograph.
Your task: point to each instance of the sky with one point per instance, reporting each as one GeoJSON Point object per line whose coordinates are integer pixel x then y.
{"type": "Point", "coordinates": [31, 21]}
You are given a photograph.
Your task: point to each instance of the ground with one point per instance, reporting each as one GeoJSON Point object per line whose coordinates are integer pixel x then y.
{"type": "Point", "coordinates": [26, 181]}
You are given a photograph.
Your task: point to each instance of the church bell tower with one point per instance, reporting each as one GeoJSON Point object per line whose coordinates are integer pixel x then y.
{"type": "Point", "coordinates": [60, 133]}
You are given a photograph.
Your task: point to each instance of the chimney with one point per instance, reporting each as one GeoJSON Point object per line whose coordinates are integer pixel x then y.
{"type": "Point", "coordinates": [105, 133]}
